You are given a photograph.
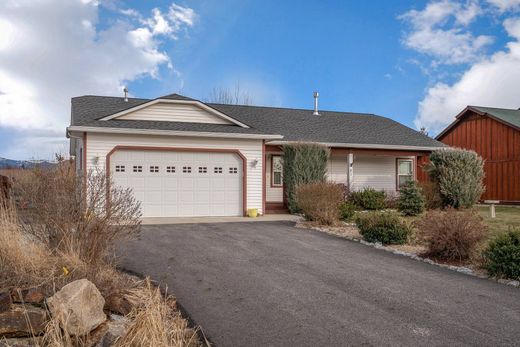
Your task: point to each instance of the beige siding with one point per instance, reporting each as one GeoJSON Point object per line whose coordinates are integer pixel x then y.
{"type": "Point", "coordinates": [378, 172]}
{"type": "Point", "coordinates": [337, 169]}
{"type": "Point", "coordinates": [273, 194]}
{"type": "Point", "coordinates": [175, 113]}
{"type": "Point", "coordinates": [99, 145]}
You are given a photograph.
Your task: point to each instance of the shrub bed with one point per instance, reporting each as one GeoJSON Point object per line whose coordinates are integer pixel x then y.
{"type": "Point", "coordinates": [503, 255]}
{"type": "Point", "coordinates": [369, 199]}
{"type": "Point", "coordinates": [320, 201]}
{"type": "Point", "coordinates": [451, 234]}
{"type": "Point", "coordinates": [385, 227]}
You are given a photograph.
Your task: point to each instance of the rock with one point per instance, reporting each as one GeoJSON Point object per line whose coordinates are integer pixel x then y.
{"type": "Point", "coordinates": [118, 303]}
{"type": "Point", "coordinates": [117, 327]}
{"type": "Point", "coordinates": [96, 336]}
{"type": "Point", "coordinates": [31, 295]}
{"type": "Point", "coordinates": [21, 342]}
{"type": "Point", "coordinates": [5, 302]}
{"type": "Point", "coordinates": [22, 320]}
{"type": "Point", "coordinates": [78, 306]}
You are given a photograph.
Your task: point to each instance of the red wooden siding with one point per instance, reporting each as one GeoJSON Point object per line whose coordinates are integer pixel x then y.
{"type": "Point", "coordinates": [499, 145]}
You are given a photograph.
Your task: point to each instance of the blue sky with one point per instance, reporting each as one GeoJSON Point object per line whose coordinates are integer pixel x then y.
{"type": "Point", "coordinates": [418, 62]}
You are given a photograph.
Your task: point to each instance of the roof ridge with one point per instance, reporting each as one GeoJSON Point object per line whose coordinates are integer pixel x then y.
{"type": "Point", "coordinates": [497, 108]}
{"type": "Point", "coordinates": [292, 108]}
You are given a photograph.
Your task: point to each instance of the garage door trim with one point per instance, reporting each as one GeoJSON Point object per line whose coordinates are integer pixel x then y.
{"type": "Point", "coordinates": [182, 149]}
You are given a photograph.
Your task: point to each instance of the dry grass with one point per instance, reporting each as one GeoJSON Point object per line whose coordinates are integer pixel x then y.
{"type": "Point", "coordinates": [157, 323]}
{"type": "Point", "coordinates": [54, 244]}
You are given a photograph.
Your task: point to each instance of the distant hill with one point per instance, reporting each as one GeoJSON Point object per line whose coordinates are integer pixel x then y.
{"type": "Point", "coordinates": [24, 164]}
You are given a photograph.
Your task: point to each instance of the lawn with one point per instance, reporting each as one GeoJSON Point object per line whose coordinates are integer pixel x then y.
{"type": "Point", "coordinates": [506, 216]}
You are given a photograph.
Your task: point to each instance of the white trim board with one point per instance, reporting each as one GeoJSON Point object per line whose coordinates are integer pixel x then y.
{"type": "Point", "coordinates": [76, 128]}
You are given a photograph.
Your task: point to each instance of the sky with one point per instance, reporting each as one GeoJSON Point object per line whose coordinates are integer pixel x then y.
{"type": "Point", "coordinates": [417, 62]}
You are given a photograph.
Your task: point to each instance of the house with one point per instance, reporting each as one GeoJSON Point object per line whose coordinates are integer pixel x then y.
{"type": "Point", "coordinates": [494, 133]}
{"type": "Point", "coordinates": [184, 157]}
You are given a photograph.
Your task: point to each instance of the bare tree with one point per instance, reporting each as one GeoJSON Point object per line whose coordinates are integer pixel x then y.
{"type": "Point", "coordinates": [236, 96]}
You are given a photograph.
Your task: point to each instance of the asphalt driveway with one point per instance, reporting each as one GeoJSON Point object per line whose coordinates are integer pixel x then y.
{"type": "Point", "coordinates": [270, 284]}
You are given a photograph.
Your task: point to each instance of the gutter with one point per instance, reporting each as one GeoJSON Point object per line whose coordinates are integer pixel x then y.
{"type": "Point", "coordinates": [365, 146]}
{"type": "Point", "coordinates": [128, 131]}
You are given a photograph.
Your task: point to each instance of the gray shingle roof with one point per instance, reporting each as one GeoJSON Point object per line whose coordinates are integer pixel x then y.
{"type": "Point", "coordinates": [293, 124]}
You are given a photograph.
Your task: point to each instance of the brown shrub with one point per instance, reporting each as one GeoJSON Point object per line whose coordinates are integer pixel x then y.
{"type": "Point", "coordinates": [451, 234]}
{"type": "Point", "coordinates": [62, 215]}
{"type": "Point", "coordinates": [320, 201]}
{"type": "Point", "coordinates": [431, 193]}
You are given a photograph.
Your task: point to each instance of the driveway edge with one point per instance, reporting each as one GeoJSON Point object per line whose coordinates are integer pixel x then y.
{"type": "Point", "coordinates": [461, 269]}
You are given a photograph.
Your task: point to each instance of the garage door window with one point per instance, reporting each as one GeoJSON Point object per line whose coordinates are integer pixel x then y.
{"type": "Point", "coordinates": [170, 169]}
{"type": "Point", "coordinates": [233, 170]}
{"type": "Point", "coordinates": [137, 168]}
{"type": "Point", "coordinates": [154, 169]}
{"type": "Point", "coordinates": [120, 168]}
{"type": "Point", "coordinates": [203, 169]}
{"type": "Point", "coordinates": [217, 170]}
{"type": "Point", "coordinates": [186, 169]}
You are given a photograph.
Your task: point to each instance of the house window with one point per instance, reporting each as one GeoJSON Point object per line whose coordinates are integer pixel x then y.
{"type": "Point", "coordinates": [186, 169]}
{"type": "Point", "coordinates": [170, 169]}
{"type": "Point", "coordinates": [137, 168]}
{"type": "Point", "coordinates": [81, 158]}
{"type": "Point", "coordinates": [203, 169]}
{"type": "Point", "coordinates": [233, 170]}
{"type": "Point", "coordinates": [154, 168]}
{"type": "Point", "coordinates": [404, 171]}
{"type": "Point", "coordinates": [276, 171]}
{"type": "Point", "coordinates": [120, 168]}
{"type": "Point", "coordinates": [217, 170]}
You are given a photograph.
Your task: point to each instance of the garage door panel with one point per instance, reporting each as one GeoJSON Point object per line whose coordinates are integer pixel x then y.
{"type": "Point", "coordinates": [170, 192]}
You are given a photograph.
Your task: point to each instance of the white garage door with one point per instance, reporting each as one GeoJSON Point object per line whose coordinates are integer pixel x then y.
{"type": "Point", "coordinates": [181, 184]}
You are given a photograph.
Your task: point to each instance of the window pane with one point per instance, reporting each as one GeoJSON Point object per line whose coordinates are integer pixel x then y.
{"type": "Point", "coordinates": [405, 167]}
{"type": "Point", "coordinates": [277, 164]}
{"type": "Point", "coordinates": [403, 179]}
{"type": "Point", "coordinates": [277, 178]}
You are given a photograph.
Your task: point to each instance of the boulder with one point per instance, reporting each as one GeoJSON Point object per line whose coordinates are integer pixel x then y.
{"type": "Point", "coordinates": [117, 327]}
{"type": "Point", "coordinates": [22, 320]}
{"type": "Point", "coordinates": [78, 306]}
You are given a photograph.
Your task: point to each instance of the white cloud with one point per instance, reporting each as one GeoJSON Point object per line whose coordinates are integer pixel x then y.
{"type": "Point", "coordinates": [52, 50]}
{"type": "Point", "coordinates": [505, 5]}
{"type": "Point", "coordinates": [440, 31]}
{"type": "Point", "coordinates": [490, 82]}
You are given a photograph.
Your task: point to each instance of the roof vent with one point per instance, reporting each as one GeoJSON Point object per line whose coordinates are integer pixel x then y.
{"type": "Point", "coordinates": [316, 96]}
{"type": "Point", "coordinates": [125, 90]}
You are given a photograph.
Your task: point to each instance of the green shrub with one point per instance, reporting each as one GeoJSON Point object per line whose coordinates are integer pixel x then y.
{"type": "Point", "coordinates": [411, 200]}
{"type": "Point", "coordinates": [320, 201]}
{"type": "Point", "coordinates": [369, 199]}
{"type": "Point", "coordinates": [503, 255]}
{"type": "Point", "coordinates": [459, 175]}
{"type": "Point", "coordinates": [302, 164]}
{"type": "Point", "coordinates": [451, 234]}
{"type": "Point", "coordinates": [347, 210]}
{"type": "Point", "coordinates": [385, 227]}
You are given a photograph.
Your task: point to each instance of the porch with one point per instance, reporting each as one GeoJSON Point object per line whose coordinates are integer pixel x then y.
{"type": "Point", "coordinates": [355, 168]}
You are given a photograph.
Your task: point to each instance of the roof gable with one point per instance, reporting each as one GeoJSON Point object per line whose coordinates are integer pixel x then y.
{"type": "Point", "coordinates": [174, 108]}
{"type": "Point", "coordinates": [510, 117]}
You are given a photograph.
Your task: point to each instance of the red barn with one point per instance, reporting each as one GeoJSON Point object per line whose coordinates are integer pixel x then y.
{"type": "Point", "coordinates": [494, 133]}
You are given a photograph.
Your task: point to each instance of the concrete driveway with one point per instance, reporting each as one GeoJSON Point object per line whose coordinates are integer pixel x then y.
{"type": "Point", "coordinates": [270, 284]}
